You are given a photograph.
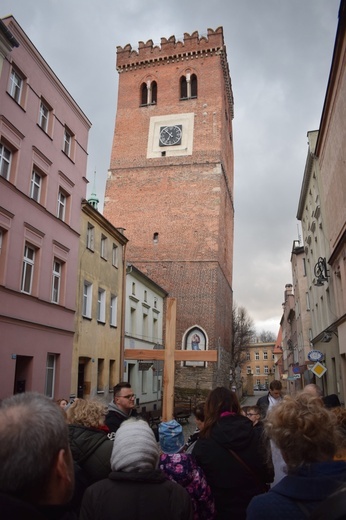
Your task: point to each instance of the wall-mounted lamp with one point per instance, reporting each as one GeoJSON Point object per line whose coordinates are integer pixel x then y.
{"type": "Point", "coordinates": [321, 273]}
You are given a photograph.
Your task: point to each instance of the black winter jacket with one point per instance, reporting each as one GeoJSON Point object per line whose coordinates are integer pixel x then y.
{"type": "Point", "coordinates": [136, 496]}
{"type": "Point", "coordinates": [232, 484]}
{"type": "Point", "coordinates": [91, 450]}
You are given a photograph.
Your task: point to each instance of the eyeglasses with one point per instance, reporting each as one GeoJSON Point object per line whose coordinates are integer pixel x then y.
{"type": "Point", "coordinates": [130, 396]}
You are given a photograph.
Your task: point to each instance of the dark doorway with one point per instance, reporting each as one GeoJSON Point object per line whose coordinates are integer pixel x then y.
{"type": "Point", "coordinates": [80, 389]}
{"type": "Point", "coordinates": [22, 377]}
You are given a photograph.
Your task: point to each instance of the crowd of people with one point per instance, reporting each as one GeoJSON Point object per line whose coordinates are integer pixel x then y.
{"type": "Point", "coordinates": [283, 457]}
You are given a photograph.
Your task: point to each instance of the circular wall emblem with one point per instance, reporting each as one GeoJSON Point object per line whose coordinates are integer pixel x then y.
{"type": "Point", "coordinates": [315, 355]}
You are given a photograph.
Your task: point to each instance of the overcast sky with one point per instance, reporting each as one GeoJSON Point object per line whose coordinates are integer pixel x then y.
{"type": "Point", "coordinates": [279, 54]}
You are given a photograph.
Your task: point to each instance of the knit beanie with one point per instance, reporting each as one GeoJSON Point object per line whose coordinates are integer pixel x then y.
{"type": "Point", "coordinates": [135, 447]}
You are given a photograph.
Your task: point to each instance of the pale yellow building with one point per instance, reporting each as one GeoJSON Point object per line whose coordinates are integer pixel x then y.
{"type": "Point", "coordinates": [99, 323]}
{"type": "Point", "coordinates": [259, 364]}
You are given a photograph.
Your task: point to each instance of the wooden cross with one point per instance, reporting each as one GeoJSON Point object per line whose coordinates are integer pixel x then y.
{"type": "Point", "coordinates": [169, 355]}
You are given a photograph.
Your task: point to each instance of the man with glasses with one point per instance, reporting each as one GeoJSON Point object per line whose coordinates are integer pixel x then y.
{"type": "Point", "coordinates": [122, 407]}
{"type": "Point", "coordinates": [254, 414]}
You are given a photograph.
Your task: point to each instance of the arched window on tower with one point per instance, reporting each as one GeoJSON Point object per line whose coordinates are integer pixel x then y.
{"type": "Point", "coordinates": [188, 86]}
{"type": "Point", "coordinates": [193, 86]}
{"type": "Point", "coordinates": [154, 92]}
{"type": "Point", "coordinates": [144, 94]}
{"type": "Point", "coordinates": [148, 93]}
{"type": "Point", "coordinates": [183, 88]}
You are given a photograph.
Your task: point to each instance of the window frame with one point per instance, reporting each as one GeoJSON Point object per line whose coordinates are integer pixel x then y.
{"type": "Point", "coordinates": [34, 184]}
{"type": "Point", "coordinates": [44, 119]}
{"type": "Point", "coordinates": [28, 269]}
{"type": "Point", "coordinates": [101, 305]}
{"type": "Point", "coordinates": [5, 160]}
{"type": "Point", "coordinates": [67, 142]}
{"type": "Point", "coordinates": [113, 310]}
{"type": "Point", "coordinates": [115, 255]}
{"type": "Point", "coordinates": [103, 247]}
{"type": "Point", "coordinates": [16, 90]}
{"type": "Point", "coordinates": [61, 205]}
{"type": "Point", "coordinates": [49, 385]}
{"type": "Point", "coordinates": [90, 238]}
{"type": "Point", "coordinates": [56, 280]}
{"type": "Point", "coordinates": [188, 85]}
{"type": "Point", "coordinates": [87, 299]}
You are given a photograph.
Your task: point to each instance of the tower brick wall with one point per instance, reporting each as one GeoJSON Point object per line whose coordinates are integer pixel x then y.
{"type": "Point", "coordinates": [176, 203]}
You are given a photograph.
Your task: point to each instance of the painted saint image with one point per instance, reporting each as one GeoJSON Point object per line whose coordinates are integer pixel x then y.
{"type": "Point", "coordinates": [195, 340]}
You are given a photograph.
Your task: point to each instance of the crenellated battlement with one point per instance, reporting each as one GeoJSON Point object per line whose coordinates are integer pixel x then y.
{"type": "Point", "coordinates": [170, 48]}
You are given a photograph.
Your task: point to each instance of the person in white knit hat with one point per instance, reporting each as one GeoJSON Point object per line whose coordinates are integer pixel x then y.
{"type": "Point", "coordinates": [136, 488]}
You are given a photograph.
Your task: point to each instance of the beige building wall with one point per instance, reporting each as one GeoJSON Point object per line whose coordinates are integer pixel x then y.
{"type": "Point", "coordinates": [331, 153]}
{"type": "Point", "coordinates": [98, 341]}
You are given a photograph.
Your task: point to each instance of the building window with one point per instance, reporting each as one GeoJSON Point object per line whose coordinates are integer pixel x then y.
{"type": "Point", "coordinates": [113, 310]}
{"type": "Point", "coordinates": [265, 355]}
{"type": "Point", "coordinates": [5, 161]}
{"type": "Point", "coordinates": [188, 86]}
{"type": "Point", "coordinates": [256, 356]}
{"type": "Point", "coordinates": [248, 369]}
{"type": "Point", "coordinates": [155, 238]}
{"type": "Point", "coordinates": [50, 375]}
{"type": "Point", "coordinates": [149, 93]}
{"type": "Point", "coordinates": [62, 200]}
{"type": "Point", "coordinates": [68, 142]}
{"type": "Point", "coordinates": [248, 356]}
{"type": "Point", "coordinates": [57, 270]}
{"type": "Point", "coordinates": [155, 302]}
{"type": "Point", "coordinates": [145, 296]}
{"type": "Point", "coordinates": [35, 187]}
{"type": "Point", "coordinates": [144, 381]}
{"type": "Point", "coordinates": [133, 321]}
{"type": "Point", "coordinates": [115, 256]}
{"type": "Point", "coordinates": [258, 371]}
{"type": "Point", "coordinates": [112, 374]}
{"type": "Point", "coordinates": [145, 326]}
{"type": "Point", "coordinates": [16, 86]}
{"type": "Point", "coordinates": [100, 371]}
{"type": "Point", "coordinates": [28, 269]}
{"type": "Point", "coordinates": [155, 330]}
{"type": "Point", "coordinates": [90, 237]}
{"type": "Point", "coordinates": [133, 289]}
{"type": "Point", "coordinates": [266, 369]}
{"type": "Point", "coordinates": [101, 305]}
{"type": "Point", "coordinates": [87, 299]}
{"type": "Point", "coordinates": [44, 116]}
{"type": "Point", "coordinates": [307, 301]}
{"type": "Point", "coordinates": [103, 251]}
{"type": "Point", "coordinates": [304, 267]}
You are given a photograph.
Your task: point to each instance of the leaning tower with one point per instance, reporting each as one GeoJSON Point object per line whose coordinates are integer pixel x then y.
{"type": "Point", "coordinates": [170, 185]}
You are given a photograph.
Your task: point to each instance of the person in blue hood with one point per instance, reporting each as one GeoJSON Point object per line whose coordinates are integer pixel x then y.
{"type": "Point", "coordinates": [307, 436]}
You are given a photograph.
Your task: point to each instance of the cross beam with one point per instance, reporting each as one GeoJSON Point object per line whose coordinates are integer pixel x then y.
{"type": "Point", "coordinates": [169, 355]}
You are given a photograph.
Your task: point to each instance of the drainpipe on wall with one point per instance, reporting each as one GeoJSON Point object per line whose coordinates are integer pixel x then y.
{"type": "Point", "coordinates": [123, 307]}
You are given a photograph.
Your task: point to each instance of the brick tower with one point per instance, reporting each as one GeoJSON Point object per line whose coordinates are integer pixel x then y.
{"type": "Point", "coordinates": [170, 185]}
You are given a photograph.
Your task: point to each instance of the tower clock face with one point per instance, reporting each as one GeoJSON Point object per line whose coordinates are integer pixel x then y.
{"type": "Point", "coordinates": [170, 135]}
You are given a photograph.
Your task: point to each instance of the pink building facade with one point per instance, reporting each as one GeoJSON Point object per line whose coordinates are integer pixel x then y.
{"type": "Point", "coordinates": [43, 158]}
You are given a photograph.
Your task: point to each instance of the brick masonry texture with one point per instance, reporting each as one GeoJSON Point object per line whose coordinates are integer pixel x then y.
{"type": "Point", "coordinates": [186, 202]}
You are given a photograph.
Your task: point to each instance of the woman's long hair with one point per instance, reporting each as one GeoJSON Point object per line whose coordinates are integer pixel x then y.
{"type": "Point", "coordinates": [220, 400]}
